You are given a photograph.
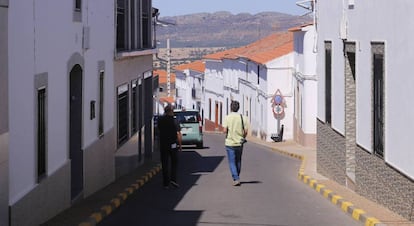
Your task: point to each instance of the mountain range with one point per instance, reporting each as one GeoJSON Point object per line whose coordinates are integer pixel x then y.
{"type": "Point", "coordinates": [223, 29]}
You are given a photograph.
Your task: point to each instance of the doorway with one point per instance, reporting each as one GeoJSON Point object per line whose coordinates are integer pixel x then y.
{"type": "Point", "coordinates": [75, 131]}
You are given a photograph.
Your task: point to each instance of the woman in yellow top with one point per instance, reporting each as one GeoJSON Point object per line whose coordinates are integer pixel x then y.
{"type": "Point", "coordinates": [235, 128]}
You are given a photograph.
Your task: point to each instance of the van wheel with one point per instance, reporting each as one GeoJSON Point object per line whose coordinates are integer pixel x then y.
{"type": "Point", "coordinates": [200, 145]}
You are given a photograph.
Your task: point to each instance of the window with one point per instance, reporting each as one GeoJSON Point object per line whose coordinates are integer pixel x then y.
{"type": "Point", "coordinates": [41, 133]}
{"type": "Point", "coordinates": [134, 101]}
{"type": "Point", "coordinates": [101, 104]}
{"type": "Point", "coordinates": [123, 112]}
{"type": "Point", "coordinates": [121, 24]}
{"type": "Point", "coordinates": [78, 4]}
{"type": "Point", "coordinates": [227, 106]}
{"type": "Point", "coordinates": [378, 97]}
{"type": "Point", "coordinates": [209, 109]}
{"type": "Point", "coordinates": [146, 13]}
{"type": "Point", "coordinates": [221, 113]}
{"type": "Point", "coordinates": [77, 10]}
{"type": "Point", "coordinates": [134, 19]}
{"type": "Point", "coordinates": [328, 82]}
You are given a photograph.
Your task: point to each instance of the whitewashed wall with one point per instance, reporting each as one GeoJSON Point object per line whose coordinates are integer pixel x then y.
{"type": "Point", "coordinates": [21, 52]}
{"type": "Point", "coordinates": [101, 22]}
{"type": "Point", "coordinates": [42, 40]}
{"type": "Point", "coordinates": [280, 76]}
{"type": "Point", "coordinates": [213, 87]}
{"type": "Point", "coordinates": [305, 68]}
{"type": "Point", "coordinates": [384, 25]}
{"type": "Point", "coordinates": [329, 31]}
{"type": "Point", "coordinates": [181, 85]}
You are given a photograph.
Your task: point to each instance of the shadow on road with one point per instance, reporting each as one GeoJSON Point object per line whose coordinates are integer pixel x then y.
{"type": "Point", "coordinates": [154, 205]}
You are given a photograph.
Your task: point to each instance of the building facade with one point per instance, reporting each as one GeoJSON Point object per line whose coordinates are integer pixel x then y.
{"type": "Point", "coordinates": [253, 75]}
{"type": "Point", "coordinates": [59, 152]}
{"type": "Point", "coordinates": [165, 90]}
{"type": "Point", "coordinates": [4, 113]}
{"type": "Point", "coordinates": [80, 75]}
{"type": "Point", "coordinates": [190, 85]}
{"type": "Point", "coordinates": [363, 111]}
{"type": "Point", "coordinates": [305, 85]}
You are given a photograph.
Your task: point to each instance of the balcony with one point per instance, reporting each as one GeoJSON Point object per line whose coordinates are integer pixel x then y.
{"type": "Point", "coordinates": [134, 53]}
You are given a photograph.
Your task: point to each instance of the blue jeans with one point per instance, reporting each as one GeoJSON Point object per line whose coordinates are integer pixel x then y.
{"type": "Point", "coordinates": [234, 155]}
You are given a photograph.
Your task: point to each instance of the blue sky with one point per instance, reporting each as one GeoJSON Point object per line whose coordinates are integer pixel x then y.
{"type": "Point", "coordinates": [182, 7]}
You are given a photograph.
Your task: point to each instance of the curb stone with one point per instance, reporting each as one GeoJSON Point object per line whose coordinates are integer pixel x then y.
{"type": "Point", "coordinates": [347, 207]}
{"type": "Point", "coordinates": [119, 199]}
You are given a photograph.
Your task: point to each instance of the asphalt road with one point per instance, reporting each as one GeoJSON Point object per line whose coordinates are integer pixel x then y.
{"type": "Point", "coordinates": [270, 193]}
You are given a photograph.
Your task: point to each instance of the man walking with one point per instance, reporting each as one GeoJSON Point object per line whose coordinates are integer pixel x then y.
{"type": "Point", "coordinates": [170, 143]}
{"type": "Point", "coordinates": [235, 128]}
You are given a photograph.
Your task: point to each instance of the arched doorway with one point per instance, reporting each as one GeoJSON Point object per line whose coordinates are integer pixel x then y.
{"type": "Point", "coordinates": [75, 131]}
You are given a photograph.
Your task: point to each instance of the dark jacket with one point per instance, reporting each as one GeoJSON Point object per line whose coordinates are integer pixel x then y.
{"type": "Point", "coordinates": [168, 128]}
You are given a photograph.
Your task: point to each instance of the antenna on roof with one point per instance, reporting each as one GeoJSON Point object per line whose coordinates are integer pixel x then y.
{"type": "Point", "coordinates": [307, 4]}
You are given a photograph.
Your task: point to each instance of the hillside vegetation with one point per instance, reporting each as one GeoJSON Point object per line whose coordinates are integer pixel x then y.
{"type": "Point", "coordinates": [223, 29]}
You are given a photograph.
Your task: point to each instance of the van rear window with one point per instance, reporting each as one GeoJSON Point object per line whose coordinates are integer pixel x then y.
{"type": "Point", "coordinates": [187, 117]}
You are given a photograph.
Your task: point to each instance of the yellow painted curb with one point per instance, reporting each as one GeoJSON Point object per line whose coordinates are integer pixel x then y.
{"type": "Point", "coordinates": [371, 221]}
{"type": "Point", "coordinates": [345, 206]}
{"type": "Point", "coordinates": [326, 192]}
{"type": "Point", "coordinates": [107, 209]}
{"type": "Point", "coordinates": [97, 217]}
{"type": "Point", "coordinates": [116, 202]}
{"type": "Point", "coordinates": [320, 188]}
{"type": "Point", "coordinates": [335, 199]}
{"type": "Point", "coordinates": [85, 224]}
{"type": "Point", "coordinates": [357, 213]}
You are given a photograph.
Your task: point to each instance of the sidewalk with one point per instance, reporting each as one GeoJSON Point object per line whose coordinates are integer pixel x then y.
{"type": "Point", "coordinates": [358, 207]}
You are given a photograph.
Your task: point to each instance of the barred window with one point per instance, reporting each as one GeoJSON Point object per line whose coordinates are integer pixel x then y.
{"type": "Point", "coordinates": [378, 98]}
{"type": "Point", "coordinates": [41, 133]}
{"type": "Point", "coordinates": [328, 82]}
{"type": "Point", "coordinates": [133, 28]}
{"type": "Point", "coordinates": [78, 5]}
{"type": "Point", "coordinates": [101, 104]}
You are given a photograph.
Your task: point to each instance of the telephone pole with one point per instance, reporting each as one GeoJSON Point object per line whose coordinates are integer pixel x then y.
{"type": "Point", "coordinates": [168, 68]}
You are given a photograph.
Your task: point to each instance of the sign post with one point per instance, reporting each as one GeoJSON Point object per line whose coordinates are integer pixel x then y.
{"type": "Point", "coordinates": [278, 108]}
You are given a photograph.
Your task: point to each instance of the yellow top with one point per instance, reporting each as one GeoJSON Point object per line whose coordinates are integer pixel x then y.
{"type": "Point", "coordinates": [234, 129]}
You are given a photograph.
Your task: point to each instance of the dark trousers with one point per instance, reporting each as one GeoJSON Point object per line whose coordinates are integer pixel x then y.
{"type": "Point", "coordinates": [169, 161]}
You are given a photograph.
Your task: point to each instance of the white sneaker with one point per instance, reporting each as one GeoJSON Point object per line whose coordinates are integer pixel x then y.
{"type": "Point", "coordinates": [236, 183]}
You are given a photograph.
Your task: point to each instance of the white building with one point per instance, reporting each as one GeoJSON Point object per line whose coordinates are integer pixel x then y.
{"type": "Point", "coordinates": [67, 65]}
{"type": "Point", "coordinates": [165, 92]}
{"type": "Point", "coordinates": [305, 84]}
{"type": "Point", "coordinates": [4, 110]}
{"type": "Point", "coordinates": [253, 75]}
{"type": "Point", "coordinates": [190, 85]}
{"type": "Point", "coordinates": [364, 112]}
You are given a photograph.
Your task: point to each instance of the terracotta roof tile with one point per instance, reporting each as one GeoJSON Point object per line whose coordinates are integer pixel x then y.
{"type": "Point", "coordinates": [162, 76]}
{"type": "Point", "coordinates": [299, 28]}
{"type": "Point", "coordinates": [261, 51]}
{"type": "Point", "coordinates": [195, 66]}
{"type": "Point", "coordinates": [169, 99]}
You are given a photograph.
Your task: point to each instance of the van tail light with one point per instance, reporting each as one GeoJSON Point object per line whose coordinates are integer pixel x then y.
{"type": "Point", "coordinates": [200, 124]}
